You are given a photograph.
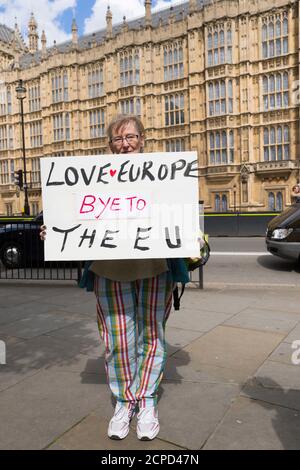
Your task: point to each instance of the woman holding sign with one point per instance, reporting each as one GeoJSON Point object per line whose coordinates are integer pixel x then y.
{"type": "Point", "coordinates": [134, 299]}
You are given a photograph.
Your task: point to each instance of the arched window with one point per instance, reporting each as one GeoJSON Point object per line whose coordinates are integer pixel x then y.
{"type": "Point", "coordinates": [265, 84]}
{"type": "Point", "coordinates": [264, 32]}
{"type": "Point", "coordinates": [224, 203]}
{"type": "Point", "coordinates": [271, 199]}
{"type": "Point", "coordinates": [180, 54]}
{"type": "Point", "coordinates": [217, 203]}
{"type": "Point", "coordinates": [286, 134]}
{"type": "Point", "coordinates": [218, 147]}
{"type": "Point", "coordinates": [216, 39]}
{"type": "Point", "coordinates": [272, 142]}
{"type": "Point", "coordinates": [271, 30]}
{"type": "Point", "coordinates": [229, 37]}
{"type": "Point", "coordinates": [286, 146]}
{"type": "Point", "coordinates": [266, 144]}
{"type": "Point", "coordinates": [279, 201]}
{"type": "Point", "coordinates": [209, 41]}
{"type": "Point", "coordinates": [222, 38]}
{"type": "Point", "coordinates": [278, 82]}
{"type": "Point", "coordinates": [224, 147]}
{"type": "Point", "coordinates": [285, 27]}
{"type": "Point", "coordinates": [279, 135]}
{"type": "Point", "coordinates": [165, 57]}
{"type": "Point", "coordinates": [278, 28]}
{"type": "Point", "coordinates": [231, 147]}
{"type": "Point", "coordinates": [212, 147]}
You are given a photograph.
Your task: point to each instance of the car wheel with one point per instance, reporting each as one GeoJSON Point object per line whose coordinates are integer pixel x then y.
{"type": "Point", "coordinates": [11, 255]}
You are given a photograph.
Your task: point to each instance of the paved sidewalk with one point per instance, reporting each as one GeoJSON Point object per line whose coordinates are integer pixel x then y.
{"type": "Point", "coordinates": [229, 382]}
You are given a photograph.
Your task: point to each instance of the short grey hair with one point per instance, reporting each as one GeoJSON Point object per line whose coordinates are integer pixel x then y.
{"type": "Point", "coordinates": [121, 121]}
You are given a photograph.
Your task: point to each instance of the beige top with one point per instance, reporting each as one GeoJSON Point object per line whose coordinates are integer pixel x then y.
{"type": "Point", "coordinates": [129, 270]}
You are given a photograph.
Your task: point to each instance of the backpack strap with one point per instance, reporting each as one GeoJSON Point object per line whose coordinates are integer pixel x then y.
{"type": "Point", "coordinates": [177, 297]}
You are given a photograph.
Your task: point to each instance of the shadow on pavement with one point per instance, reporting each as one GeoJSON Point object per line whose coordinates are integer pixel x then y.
{"type": "Point", "coordinates": [57, 348]}
{"type": "Point", "coordinates": [278, 264]}
{"type": "Point", "coordinates": [94, 372]}
{"type": "Point", "coordinates": [286, 419]}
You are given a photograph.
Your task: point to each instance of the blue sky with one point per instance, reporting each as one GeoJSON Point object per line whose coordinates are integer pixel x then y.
{"type": "Point", "coordinates": [55, 16]}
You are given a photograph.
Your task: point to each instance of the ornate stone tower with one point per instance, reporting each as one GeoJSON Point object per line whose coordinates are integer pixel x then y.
{"type": "Point", "coordinates": [33, 35]}
{"type": "Point", "coordinates": [74, 32]}
{"type": "Point", "coordinates": [108, 23]}
{"type": "Point", "coordinates": [148, 17]}
{"type": "Point", "coordinates": [44, 43]}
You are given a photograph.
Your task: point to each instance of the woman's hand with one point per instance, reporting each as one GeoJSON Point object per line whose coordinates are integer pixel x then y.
{"type": "Point", "coordinates": [43, 232]}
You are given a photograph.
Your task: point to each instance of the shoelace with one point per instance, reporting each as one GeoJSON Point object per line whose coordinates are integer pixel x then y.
{"type": "Point", "coordinates": [123, 412]}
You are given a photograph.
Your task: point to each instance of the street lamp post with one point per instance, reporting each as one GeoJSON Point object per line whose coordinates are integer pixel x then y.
{"type": "Point", "coordinates": [21, 94]}
{"type": "Point", "coordinates": [234, 198]}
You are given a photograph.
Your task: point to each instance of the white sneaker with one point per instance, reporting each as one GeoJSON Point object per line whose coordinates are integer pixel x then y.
{"type": "Point", "coordinates": [118, 427]}
{"type": "Point", "coordinates": [147, 424]}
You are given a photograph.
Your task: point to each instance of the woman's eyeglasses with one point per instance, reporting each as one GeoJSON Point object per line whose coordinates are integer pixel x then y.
{"type": "Point", "coordinates": [130, 138]}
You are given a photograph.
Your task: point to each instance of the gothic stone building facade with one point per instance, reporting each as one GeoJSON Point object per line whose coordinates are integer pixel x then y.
{"type": "Point", "coordinates": [219, 77]}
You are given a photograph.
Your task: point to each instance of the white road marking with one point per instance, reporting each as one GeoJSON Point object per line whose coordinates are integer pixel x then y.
{"type": "Point", "coordinates": [246, 284]}
{"type": "Point", "coordinates": [241, 253]}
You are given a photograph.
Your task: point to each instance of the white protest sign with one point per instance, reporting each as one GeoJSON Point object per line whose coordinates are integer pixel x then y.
{"type": "Point", "coordinates": [127, 206]}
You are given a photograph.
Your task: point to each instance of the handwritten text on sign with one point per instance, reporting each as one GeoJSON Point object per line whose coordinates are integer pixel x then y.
{"type": "Point", "coordinates": [115, 207]}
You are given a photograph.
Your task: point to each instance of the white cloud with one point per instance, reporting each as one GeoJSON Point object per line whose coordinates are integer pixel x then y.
{"type": "Point", "coordinates": [46, 13]}
{"type": "Point", "coordinates": [129, 8]}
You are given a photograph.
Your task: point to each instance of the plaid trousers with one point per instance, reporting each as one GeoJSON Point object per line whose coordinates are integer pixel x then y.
{"type": "Point", "coordinates": [131, 319]}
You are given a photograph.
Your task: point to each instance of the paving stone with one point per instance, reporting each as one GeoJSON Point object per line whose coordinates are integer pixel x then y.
{"type": "Point", "coordinates": [45, 406]}
{"type": "Point", "coordinates": [91, 434]}
{"type": "Point", "coordinates": [269, 391]}
{"type": "Point", "coordinates": [214, 301]}
{"type": "Point", "coordinates": [282, 375]}
{"type": "Point", "coordinates": [227, 353]}
{"type": "Point", "coordinates": [283, 354]}
{"type": "Point", "coordinates": [86, 308]}
{"type": "Point", "coordinates": [18, 312]}
{"type": "Point", "coordinates": [85, 334]}
{"type": "Point", "coordinates": [9, 340]}
{"type": "Point", "coordinates": [196, 320]}
{"type": "Point", "coordinates": [26, 357]}
{"type": "Point", "coordinates": [294, 335]}
{"type": "Point", "coordinates": [265, 320]}
{"type": "Point", "coordinates": [189, 412]}
{"type": "Point", "coordinates": [280, 301]}
{"type": "Point", "coordinates": [256, 425]}
{"type": "Point", "coordinates": [177, 338]}
{"type": "Point", "coordinates": [181, 369]}
{"type": "Point", "coordinates": [17, 298]}
{"type": "Point", "coordinates": [38, 324]}
{"type": "Point", "coordinates": [89, 368]}
{"type": "Point", "coordinates": [72, 297]}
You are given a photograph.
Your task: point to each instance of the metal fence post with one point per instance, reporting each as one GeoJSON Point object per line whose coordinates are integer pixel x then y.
{"type": "Point", "coordinates": [200, 277]}
{"type": "Point", "coordinates": [201, 225]}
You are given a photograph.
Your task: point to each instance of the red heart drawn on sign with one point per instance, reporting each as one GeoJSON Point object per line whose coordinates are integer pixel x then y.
{"type": "Point", "coordinates": [112, 172]}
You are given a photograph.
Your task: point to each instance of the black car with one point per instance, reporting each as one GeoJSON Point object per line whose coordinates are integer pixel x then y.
{"type": "Point", "coordinates": [20, 243]}
{"type": "Point", "coordinates": [283, 234]}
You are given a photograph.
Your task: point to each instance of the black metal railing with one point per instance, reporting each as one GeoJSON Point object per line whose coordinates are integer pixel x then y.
{"type": "Point", "coordinates": [22, 254]}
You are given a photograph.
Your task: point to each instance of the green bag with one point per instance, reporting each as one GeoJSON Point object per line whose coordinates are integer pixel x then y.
{"type": "Point", "coordinates": [194, 263]}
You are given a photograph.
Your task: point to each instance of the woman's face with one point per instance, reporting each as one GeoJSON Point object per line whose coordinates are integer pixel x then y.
{"type": "Point", "coordinates": [126, 140]}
